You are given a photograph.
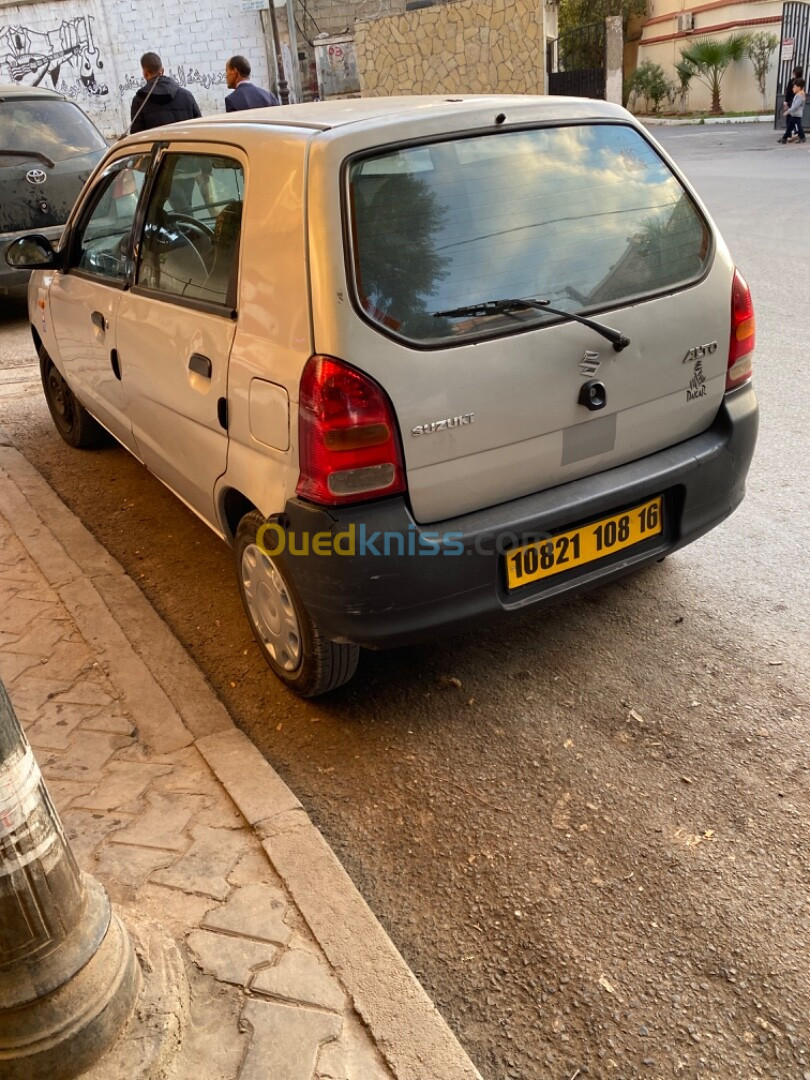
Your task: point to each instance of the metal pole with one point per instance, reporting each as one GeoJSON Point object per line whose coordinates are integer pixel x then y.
{"type": "Point", "coordinates": [68, 974]}
{"type": "Point", "coordinates": [283, 88]}
{"type": "Point", "coordinates": [292, 33]}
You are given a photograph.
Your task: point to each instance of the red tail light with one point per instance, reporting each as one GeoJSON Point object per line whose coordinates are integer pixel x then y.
{"type": "Point", "coordinates": [743, 334]}
{"type": "Point", "coordinates": [348, 445]}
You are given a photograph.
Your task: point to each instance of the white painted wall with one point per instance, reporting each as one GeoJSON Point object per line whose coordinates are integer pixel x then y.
{"type": "Point", "coordinates": [90, 49]}
{"type": "Point", "coordinates": [738, 88]}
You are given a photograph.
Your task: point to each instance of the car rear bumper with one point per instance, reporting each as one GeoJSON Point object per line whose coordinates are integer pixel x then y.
{"type": "Point", "coordinates": [389, 581]}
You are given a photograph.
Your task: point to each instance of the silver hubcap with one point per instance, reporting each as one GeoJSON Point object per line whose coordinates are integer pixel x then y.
{"type": "Point", "coordinates": [271, 608]}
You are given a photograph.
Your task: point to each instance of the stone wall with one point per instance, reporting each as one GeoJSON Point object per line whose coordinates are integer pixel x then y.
{"type": "Point", "coordinates": [470, 46]}
{"type": "Point", "coordinates": [90, 49]}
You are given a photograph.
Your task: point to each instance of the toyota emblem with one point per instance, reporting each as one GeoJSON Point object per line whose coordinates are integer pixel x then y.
{"type": "Point", "coordinates": [36, 176]}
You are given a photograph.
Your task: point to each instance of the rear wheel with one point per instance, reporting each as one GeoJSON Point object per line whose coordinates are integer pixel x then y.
{"type": "Point", "coordinates": [73, 422]}
{"type": "Point", "coordinates": [293, 646]}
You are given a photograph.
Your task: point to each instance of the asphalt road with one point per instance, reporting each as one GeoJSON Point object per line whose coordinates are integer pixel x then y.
{"type": "Point", "coordinates": [586, 832]}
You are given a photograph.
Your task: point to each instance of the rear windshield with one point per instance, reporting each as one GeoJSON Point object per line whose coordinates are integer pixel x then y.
{"type": "Point", "coordinates": [584, 217]}
{"type": "Point", "coordinates": [57, 129]}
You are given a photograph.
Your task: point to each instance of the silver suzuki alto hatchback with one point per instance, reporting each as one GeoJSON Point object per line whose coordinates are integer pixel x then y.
{"type": "Point", "coordinates": [420, 361]}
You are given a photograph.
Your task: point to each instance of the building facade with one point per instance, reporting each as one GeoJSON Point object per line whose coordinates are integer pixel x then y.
{"type": "Point", "coordinates": [90, 49]}
{"type": "Point", "coordinates": [672, 25]}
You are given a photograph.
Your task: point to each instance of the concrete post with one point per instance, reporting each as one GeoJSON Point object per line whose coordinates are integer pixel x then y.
{"type": "Point", "coordinates": [68, 974]}
{"type": "Point", "coordinates": [614, 59]}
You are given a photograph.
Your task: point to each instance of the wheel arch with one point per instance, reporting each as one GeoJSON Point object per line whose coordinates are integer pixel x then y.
{"type": "Point", "coordinates": [233, 506]}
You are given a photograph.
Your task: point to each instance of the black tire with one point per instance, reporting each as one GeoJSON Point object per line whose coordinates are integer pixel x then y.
{"type": "Point", "coordinates": [73, 422]}
{"type": "Point", "coordinates": [293, 646]}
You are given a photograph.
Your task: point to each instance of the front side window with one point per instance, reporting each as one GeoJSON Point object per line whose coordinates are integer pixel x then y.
{"type": "Point", "coordinates": [584, 217]}
{"type": "Point", "coordinates": [104, 240]}
{"type": "Point", "coordinates": [191, 234]}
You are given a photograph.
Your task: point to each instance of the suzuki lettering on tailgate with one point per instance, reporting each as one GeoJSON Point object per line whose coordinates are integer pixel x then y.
{"type": "Point", "coordinates": [443, 425]}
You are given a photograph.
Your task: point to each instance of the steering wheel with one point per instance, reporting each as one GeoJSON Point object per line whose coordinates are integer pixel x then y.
{"type": "Point", "coordinates": [192, 226]}
{"type": "Point", "coordinates": [193, 234]}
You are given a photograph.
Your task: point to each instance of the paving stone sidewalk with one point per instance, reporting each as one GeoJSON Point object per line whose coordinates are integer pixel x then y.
{"type": "Point", "coordinates": [191, 832]}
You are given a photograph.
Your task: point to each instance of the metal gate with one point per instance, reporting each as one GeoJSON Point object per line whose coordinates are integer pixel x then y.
{"type": "Point", "coordinates": [794, 49]}
{"type": "Point", "coordinates": [575, 61]}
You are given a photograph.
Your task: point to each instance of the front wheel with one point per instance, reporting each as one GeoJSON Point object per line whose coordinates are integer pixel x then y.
{"type": "Point", "coordinates": [73, 422]}
{"type": "Point", "coordinates": [293, 646]}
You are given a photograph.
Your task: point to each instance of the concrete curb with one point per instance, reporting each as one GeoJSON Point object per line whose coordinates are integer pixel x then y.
{"type": "Point", "coordinates": [701, 121]}
{"type": "Point", "coordinates": [131, 639]}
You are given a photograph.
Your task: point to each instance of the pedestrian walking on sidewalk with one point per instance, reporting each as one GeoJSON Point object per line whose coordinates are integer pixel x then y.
{"type": "Point", "coordinates": [162, 100]}
{"type": "Point", "coordinates": [795, 114]}
{"type": "Point", "coordinates": [246, 95]}
{"type": "Point", "coordinates": [798, 73]}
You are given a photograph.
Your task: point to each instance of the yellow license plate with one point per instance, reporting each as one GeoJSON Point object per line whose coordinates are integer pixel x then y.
{"type": "Point", "coordinates": [587, 544]}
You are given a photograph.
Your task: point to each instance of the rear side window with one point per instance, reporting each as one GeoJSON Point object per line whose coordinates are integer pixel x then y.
{"type": "Point", "coordinates": [585, 217]}
{"type": "Point", "coordinates": [58, 129]}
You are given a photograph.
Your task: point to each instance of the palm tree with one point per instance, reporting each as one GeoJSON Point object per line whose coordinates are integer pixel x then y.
{"type": "Point", "coordinates": [711, 56]}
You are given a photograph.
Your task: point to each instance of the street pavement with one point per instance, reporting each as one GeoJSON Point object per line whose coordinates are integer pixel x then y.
{"type": "Point", "coordinates": [260, 960]}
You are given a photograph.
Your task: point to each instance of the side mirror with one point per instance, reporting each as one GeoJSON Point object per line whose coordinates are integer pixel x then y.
{"type": "Point", "coordinates": [32, 252]}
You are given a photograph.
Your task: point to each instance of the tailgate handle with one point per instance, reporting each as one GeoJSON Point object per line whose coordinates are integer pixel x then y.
{"type": "Point", "coordinates": [593, 395]}
{"type": "Point", "coordinates": [200, 364]}
{"type": "Point", "coordinates": [97, 319]}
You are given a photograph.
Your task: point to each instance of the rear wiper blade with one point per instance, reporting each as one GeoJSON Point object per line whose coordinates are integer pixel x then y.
{"type": "Point", "coordinates": [28, 154]}
{"type": "Point", "coordinates": [501, 307]}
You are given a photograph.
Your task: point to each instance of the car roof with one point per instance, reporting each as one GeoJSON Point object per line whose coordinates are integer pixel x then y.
{"type": "Point", "coordinates": [17, 91]}
{"type": "Point", "coordinates": [375, 112]}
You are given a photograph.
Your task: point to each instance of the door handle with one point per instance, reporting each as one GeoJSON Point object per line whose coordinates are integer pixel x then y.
{"type": "Point", "coordinates": [200, 365]}
{"type": "Point", "coordinates": [97, 319]}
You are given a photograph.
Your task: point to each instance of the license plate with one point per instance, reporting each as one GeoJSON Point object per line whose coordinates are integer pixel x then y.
{"type": "Point", "coordinates": [587, 544]}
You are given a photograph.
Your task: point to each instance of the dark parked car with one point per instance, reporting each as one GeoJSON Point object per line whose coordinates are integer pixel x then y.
{"type": "Point", "coordinates": [48, 148]}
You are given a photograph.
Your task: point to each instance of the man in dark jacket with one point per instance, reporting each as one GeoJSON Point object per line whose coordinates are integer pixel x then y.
{"type": "Point", "coordinates": [245, 94]}
{"type": "Point", "coordinates": [162, 100]}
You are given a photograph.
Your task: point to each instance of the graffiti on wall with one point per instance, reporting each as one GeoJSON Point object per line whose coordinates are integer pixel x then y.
{"type": "Point", "coordinates": [67, 55]}
{"type": "Point", "coordinates": [184, 76]}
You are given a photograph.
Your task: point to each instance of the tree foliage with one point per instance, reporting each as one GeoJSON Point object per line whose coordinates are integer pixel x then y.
{"type": "Point", "coordinates": [650, 82]}
{"type": "Point", "coordinates": [712, 56]}
{"type": "Point", "coordinates": [760, 50]}
{"type": "Point", "coordinates": [685, 72]}
{"type": "Point", "coordinates": [574, 13]}
{"type": "Point", "coordinates": [400, 265]}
